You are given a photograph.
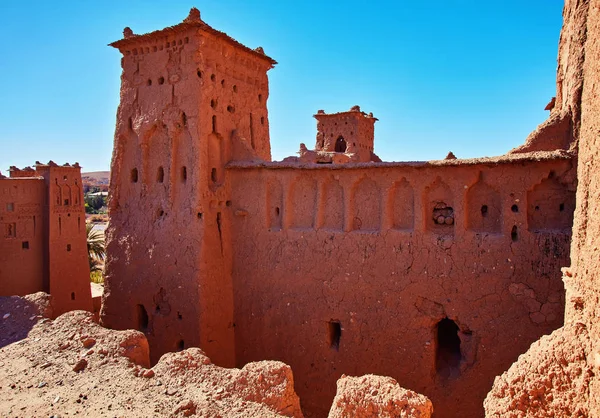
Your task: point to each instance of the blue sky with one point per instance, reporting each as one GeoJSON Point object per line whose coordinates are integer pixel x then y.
{"type": "Point", "coordinates": [472, 77]}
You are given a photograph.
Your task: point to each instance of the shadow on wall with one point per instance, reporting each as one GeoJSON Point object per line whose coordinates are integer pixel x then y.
{"type": "Point", "coordinates": [18, 315]}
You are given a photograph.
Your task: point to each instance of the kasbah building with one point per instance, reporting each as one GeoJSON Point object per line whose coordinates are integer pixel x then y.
{"type": "Point", "coordinates": [438, 274]}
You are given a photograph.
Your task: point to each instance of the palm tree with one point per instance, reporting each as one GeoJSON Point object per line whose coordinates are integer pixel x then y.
{"type": "Point", "coordinates": [96, 248]}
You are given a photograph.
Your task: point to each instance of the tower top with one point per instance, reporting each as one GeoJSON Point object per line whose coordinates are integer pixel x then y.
{"type": "Point", "coordinates": [192, 21]}
{"type": "Point", "coordinates": [353, 112]}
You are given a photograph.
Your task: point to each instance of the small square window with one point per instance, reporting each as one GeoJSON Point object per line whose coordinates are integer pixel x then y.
{"type": "Point", "coordinates": [25, 245]}
{"type": "Point", "coordinates": [66, 202]}
{"type": "Point", "coordinates": [68, 247]}
{"type": "Point", "coordinates": [10, 207]}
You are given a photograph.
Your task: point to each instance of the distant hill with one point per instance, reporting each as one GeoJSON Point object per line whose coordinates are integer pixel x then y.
{"type": "Point", "coordinates": [98, 175]}
{"type": "Point", "coordinates": [95, 181]}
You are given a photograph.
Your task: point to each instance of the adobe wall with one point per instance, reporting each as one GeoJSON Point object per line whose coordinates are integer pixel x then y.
{"type": "Point", "coordinates": [191, 99]}
{"type": "Point", "coordinates": [558, 375]}
{"type": "Point", "coordinates": [382, 253]}
{"type": "Point", "coordinates": [23, 242]}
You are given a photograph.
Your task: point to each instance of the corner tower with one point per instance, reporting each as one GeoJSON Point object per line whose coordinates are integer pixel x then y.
{"type": "Point", "coordinates": [192, 99]}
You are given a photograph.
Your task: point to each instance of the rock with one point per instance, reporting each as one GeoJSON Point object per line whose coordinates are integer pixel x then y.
{"type": "Point", "coordinates": [80, 365]}
{"type": "Point", "coordinates": [377, 396]}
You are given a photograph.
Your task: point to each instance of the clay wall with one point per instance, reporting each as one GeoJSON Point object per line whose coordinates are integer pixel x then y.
{"type": "Point", "coordinates": [23, 243]}
{"type": "Point", "coordinates": [349, 269]}
{"type": "Point", "coordinates": [191, 100]}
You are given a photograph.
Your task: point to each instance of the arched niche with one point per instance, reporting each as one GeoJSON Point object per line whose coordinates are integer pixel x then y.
{"type": "Point", "coordinates": [366, 206]}
{"type": "Point", "coordinates": [274, 205]}
{"type": "Point", "coordinates": [439, 207]}
{"type": "Point", "coordinates": [402, 205]}
{"type": "Point", "coordinates": [303, 202]}
{"type": "Point", "coordinates": [340, 144]}
{"type": "Point", "coordinates": [332, 206]}
{"type": "Point", "coordinates": [484, 208]}
{"type": "Point", "coordinates": [550, 207]}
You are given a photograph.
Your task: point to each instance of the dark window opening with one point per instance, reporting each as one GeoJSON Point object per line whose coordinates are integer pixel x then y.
{"type": "Point", "coordinates": [262, 120]}
{"type": "Point", "coordinates": [157, 309]}
{"type": "Point", "coordinates": [199, 74]}
{"type": "Point", "coordinates": [180, 345]}
{"type": "Point", "coordinates": [514, 233]}
{"type": "Point", "coordinates": [149, 82]}
{"type": "Point", "coordinates": [160, 175]}
{"type": "Point", "coordinates": [448, 354]}
{"type": "Point", "coordinates": [212, 77]}
{"type": "Point", "coordinates": [179, 316]}
{"type": "Point", "coordinates": [142, 318]}
{"type": "Point", "coordinates": [213, 175]}
{"type": "Point", "coordinates": [537, 208]}
{"type": "Point", "coordinates": [160, 213]}
{"type": "Point", "coordinates": [214, 123]}
{"type": "Point", "coordinates": [72, 295]}
{"type": "Point", "coordinates": [213, 103]}
{"type": "Point", "coordinates": [234, 88]}
{"type": "Point", "coordinates": [324, 162]}
{"type": "Point", "coordinates": [484, 211]}
{"type": "Point", "coordinates": [199, 215]}
{"type": "Point", "coordinates": [68, 247]}
{"type": "Point", "coordinates": [340, 145]}
{"type": "Point", "coordinates": [561, 207]}
{"type": "Point", "coordinates": [161, 80]}
{"type": "Point", "coordinates": [66, 203]}
{"type": "Point", "coordinates": [25, 245]}
{"type": "Point", "coordinates": [335, 333]}
{"type": "Point", "coordinates": [184, 174]}
{"type": "Point", "coordinates": [277, 211]}
{"type": "Point", "coordinates": [134, 175]}
{"type": "Point", "coordinates": [184, 119]}
{"type": "Point", "coordinates": [222, 83]}
{"type": "Point", "coordinates": [228, 203]}
{"type": "Point", "coordinates": [260, 97]}
{"type": "Point", "coordinates": [514, 208]}
{"type": "Point", "coordinates": [230, 109]}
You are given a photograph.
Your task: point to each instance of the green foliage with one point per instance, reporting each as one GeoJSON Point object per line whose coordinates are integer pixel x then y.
{"type": "Point", "coordinates": [96, 251]}
{"type": "Point", "coordinates": [93, 204]}
{"type": "Point", "coordinates": [96, 277]}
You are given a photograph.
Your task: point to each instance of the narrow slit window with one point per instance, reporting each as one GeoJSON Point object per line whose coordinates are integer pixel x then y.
{"type": "Point", "coordinates": [335, 334]}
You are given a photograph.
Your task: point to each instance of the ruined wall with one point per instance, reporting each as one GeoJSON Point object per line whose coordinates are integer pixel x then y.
{"type": "Point", "coordinates": [437, 274]}
{"type": "Point", "coordinates": [23, 243]}
{"type": "Point", "coordinates": [191, 100]}
{"type": "Point", "coordinates": [558, 376]}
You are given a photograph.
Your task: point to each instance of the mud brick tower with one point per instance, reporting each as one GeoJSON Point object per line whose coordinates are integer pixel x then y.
{"type": "Point", "coordinates": [192, 99]}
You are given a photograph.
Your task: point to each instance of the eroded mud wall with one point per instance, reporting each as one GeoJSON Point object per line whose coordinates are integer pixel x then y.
{"type": "Point", "coordinates": [439, 276]}
{"type": "Point", "coordinates": [558, 375]}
